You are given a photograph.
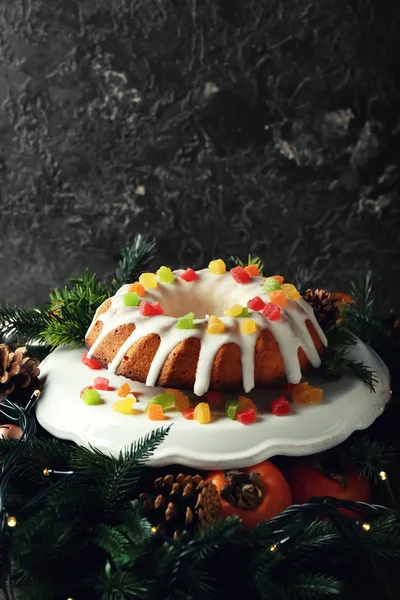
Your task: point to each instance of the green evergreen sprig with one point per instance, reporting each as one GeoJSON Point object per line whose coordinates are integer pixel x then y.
{"type": "Point", "coordinates": [133, 261]}
{"type": "Point", "coordinates": [23, 325]}
{"type": "Point", "coordinates": [370, 456]}
{"type": "Point", "coordinates": [235, 261]}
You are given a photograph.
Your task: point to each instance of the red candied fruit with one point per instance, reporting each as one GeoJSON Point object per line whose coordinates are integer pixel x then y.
{"type": "Point", "coordinates": [240, 275]}
{"type": "Point", "coordinates": [215, 399]}
{"type": "Point", "coordinates": [189, 275]}
{"type": "Point", "coordinates": [92, 363]}
{"type": "Point", "coordinates": [188, 414]}
{"type": "Point", "coordinates": [149, 310]}
{"type": "Point", "coordinates": [256, 303]}
{"type": "Point", "coordinates": [271, 311]}
{"type": "Point", "coordinates": [246, 417]}
{"type": "Point", "coordinates": [101, 383]}
{"type": "Point", "coordinates": [88, 387]}
{"type": "Point", "coordinates": [280, 407]}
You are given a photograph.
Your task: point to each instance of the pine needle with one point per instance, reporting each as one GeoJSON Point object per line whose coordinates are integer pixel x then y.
{"type": "Point", "coordinates": [336, 360]}
{"type": "Point", "coordinates": [133, 261]}
{"type": "Point", "coordinates": [235, 261]}
{"type": "Point", "coordinates": [371, 456]}
{"type": "Point", "coordinates": [23, 325]}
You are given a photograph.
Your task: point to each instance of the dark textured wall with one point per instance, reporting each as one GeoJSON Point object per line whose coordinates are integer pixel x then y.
{"type": "Point", "coordinates": [218, 126]}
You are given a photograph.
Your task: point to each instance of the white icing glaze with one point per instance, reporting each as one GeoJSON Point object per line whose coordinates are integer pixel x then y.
{"type": "Point", "coordinates": [211, 294]}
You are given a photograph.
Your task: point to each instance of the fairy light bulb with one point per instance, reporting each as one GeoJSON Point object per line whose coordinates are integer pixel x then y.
{"type": "Point", "coordinates": [11, 521]}
{"type": "Point", "coordinates": [273, 548]}
{"type": "Point", "coordinates": [46, 472]}
{"type": "Point", "coordinates": [366, 526]}
{"type": "Point", "coordinates": [383, 475]}
{"type": "Point", "coordinates": [153, 530]}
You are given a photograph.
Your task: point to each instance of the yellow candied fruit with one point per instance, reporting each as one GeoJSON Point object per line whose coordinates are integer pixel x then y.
{"type": "Point", "coordinates": [148, 280]}
{"type": "Point", "coordinates": [234, 311]}
{"type": "Point", "coordinates": [123, 390]}
{"type": "Point", "coordinates": [246, 403]}
{"type": "Point", "coordinates": [124, 406]}
{"type": "Point", "coordinates": [217, 267]}
{"type": "Point", "coordinates": [181, 401]}
{"type": "Point", "coordinates": [290, 291]}
{"type": "Point", "coordinates": [138, 288]}
{"type": "Point", "coordinates": [278, 297]}
{"type": "Point", "coordinates": [215, 325]}
{"type": "Point", "coordinates": [202, 413]}
{"type": "Point", "coordinates": [248, 327]}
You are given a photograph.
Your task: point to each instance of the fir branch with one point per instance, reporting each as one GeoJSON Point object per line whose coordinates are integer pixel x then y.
{"type": "Point", "coordinates": [304, 279]}
{"type": "Point", "coordinates": [133, 260]}
{"type": "Point", "coordinates": [315, 586]}
{"type": "Point", "coordinates": [23, 325]}
{"type": "Point", "coordinates": [371, 456]}
{"type": "Point", "coordinates": [336, 360]}
{"type": "Point", "coordinates": [362, 290]}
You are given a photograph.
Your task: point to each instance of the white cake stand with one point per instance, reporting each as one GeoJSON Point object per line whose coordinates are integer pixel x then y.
{"type": "Point", "coordinates": [348, 405]}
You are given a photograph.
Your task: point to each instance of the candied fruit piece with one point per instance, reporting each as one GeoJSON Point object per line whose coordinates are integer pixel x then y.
{"type": "Point", "coordinates": [240, 275]}
{"type": "Point", "coordinates": [150, 310]}
{"type": "Point", "coordinates": [279, 278]}
{"type": "Point", "coordinates": [246, 403]}
{"type": "Point", "coordinates": [291, 291]}
{"type": "Point", "coordinates": [271, 284]}
{"type": "Point", "coordinates": [271, 311]}
{"type": "Point", "coordinates": [215, 399]}
{"type": "Point", "coordinates": [246, 417]}
{"type": "Point", "coordinates": [188, 414]}
{"type": "Point", "coordinates": [245, 312]}
{"type": "Point", "coordinates": [217, 267]}
{"type": "Point", "coordinates": [278, 297]}
{"type": "Point", "coordinates": [138, 288]}
{"type": "Point", "coordinates": [165, 400]}
{"type": "Point", "coordinates": [131, 299]}
{"type": "Point", "coordinates": [124, 390]}
{"type": "Point", "coordinates": [88, 387]}
{"type": "Point", "coordinates": [280, 406]}
{"type": "Point", "coordinates": [202, 413]}
{"type": "Point", "coordinates": [248, 327]}
{"type": "Point", "coordinates": [165, 275]}
{"type": "Point", "coordinates": [186, 322]}
{"type": "Point", "coordinates": [148, 280]}
{"type": "Point", "coordinates": [256, 303]}
{"type": "Point", "coordinates": [189, 275]}
{"type": "Point", "coordinates": [101, 383]}
{"type": "Point", "coordinates": [155, 412]}
{"type": "Point", "coordinates": [234, 311]}
{"type": "Point", "coordinates": [91, 397]}
{"type": "Point", "coordinates": [124, 406]}
{"type": "Point", "coordinates": [252, 270]}
{"type": "Point", "coordinates": [215, 325]}
{"type": "Point", "coordinates": [231, 408]}
{"type": "Point", "coordinates": [307, 394]}
{"type": "Point", "coordinates": [92, 363]}
{"type": "Point", "coordinates": [182, 403]}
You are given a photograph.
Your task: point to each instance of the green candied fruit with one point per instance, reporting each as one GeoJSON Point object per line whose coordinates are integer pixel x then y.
{"type": "Point", "coordinates": [166, 275]}
{"type": "Point", "coordinates": [231, 408]}
{"type": "Point", "coordinates": [271, 284]}
{"type": "Point", "coordinates": [91, 397]}
{"type": "Point", "coordinates": [166, 400]}
{"type": "Point", "coordinates": [245, 312]}
{"type": "Point", "coordinates": [131, 299]}
{"type": "Point", "coordinates": [186, 322]}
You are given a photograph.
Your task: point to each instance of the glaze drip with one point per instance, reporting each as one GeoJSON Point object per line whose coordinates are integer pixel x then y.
{"type": "Point", "coordinates": [211, 294]}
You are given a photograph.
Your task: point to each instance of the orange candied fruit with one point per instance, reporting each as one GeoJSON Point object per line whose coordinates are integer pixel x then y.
{"type": "Point", "coordinates": [138, 288]}
{"type": "Point", "coordinates": [123, 390]}
{"type": "Point", "coordinates": [278, 297]}
{"type": "Point", "coordinates": [182, 402]}
{"type": "Point", "coordinates": [307, 394]}
{"type": "Point", "coordinates": [155, 412]}
{"type": "Point", "coordinates": [279, 278]}
{"type": "Point", "coordinates": [246, 403]}
{"type": "Point", "coordinates": [252, 270]}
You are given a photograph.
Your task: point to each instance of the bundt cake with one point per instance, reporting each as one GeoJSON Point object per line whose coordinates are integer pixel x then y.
{"type": "Point", "coordinates": [207, 330]}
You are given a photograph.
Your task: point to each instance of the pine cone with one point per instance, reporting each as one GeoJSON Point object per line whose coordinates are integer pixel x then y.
{"type": "Point", "coordinates": [184, 502]}
{"type": "Point", "coordinates": [325, 310]}
{"type": "Point", "coordinates": [18, 372]}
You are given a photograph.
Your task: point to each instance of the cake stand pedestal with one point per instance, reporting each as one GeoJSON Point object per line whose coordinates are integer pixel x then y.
{"type": "Point", "coordinates": [347, 406]}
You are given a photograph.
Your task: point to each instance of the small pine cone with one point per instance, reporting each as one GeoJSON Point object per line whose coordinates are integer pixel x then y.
{"type": "Point", "coordinates": [184, 502]}
{"type": "Point", "coordinates": [18, 373]}
{"type": "Point", "coordinates": [326, 312]}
